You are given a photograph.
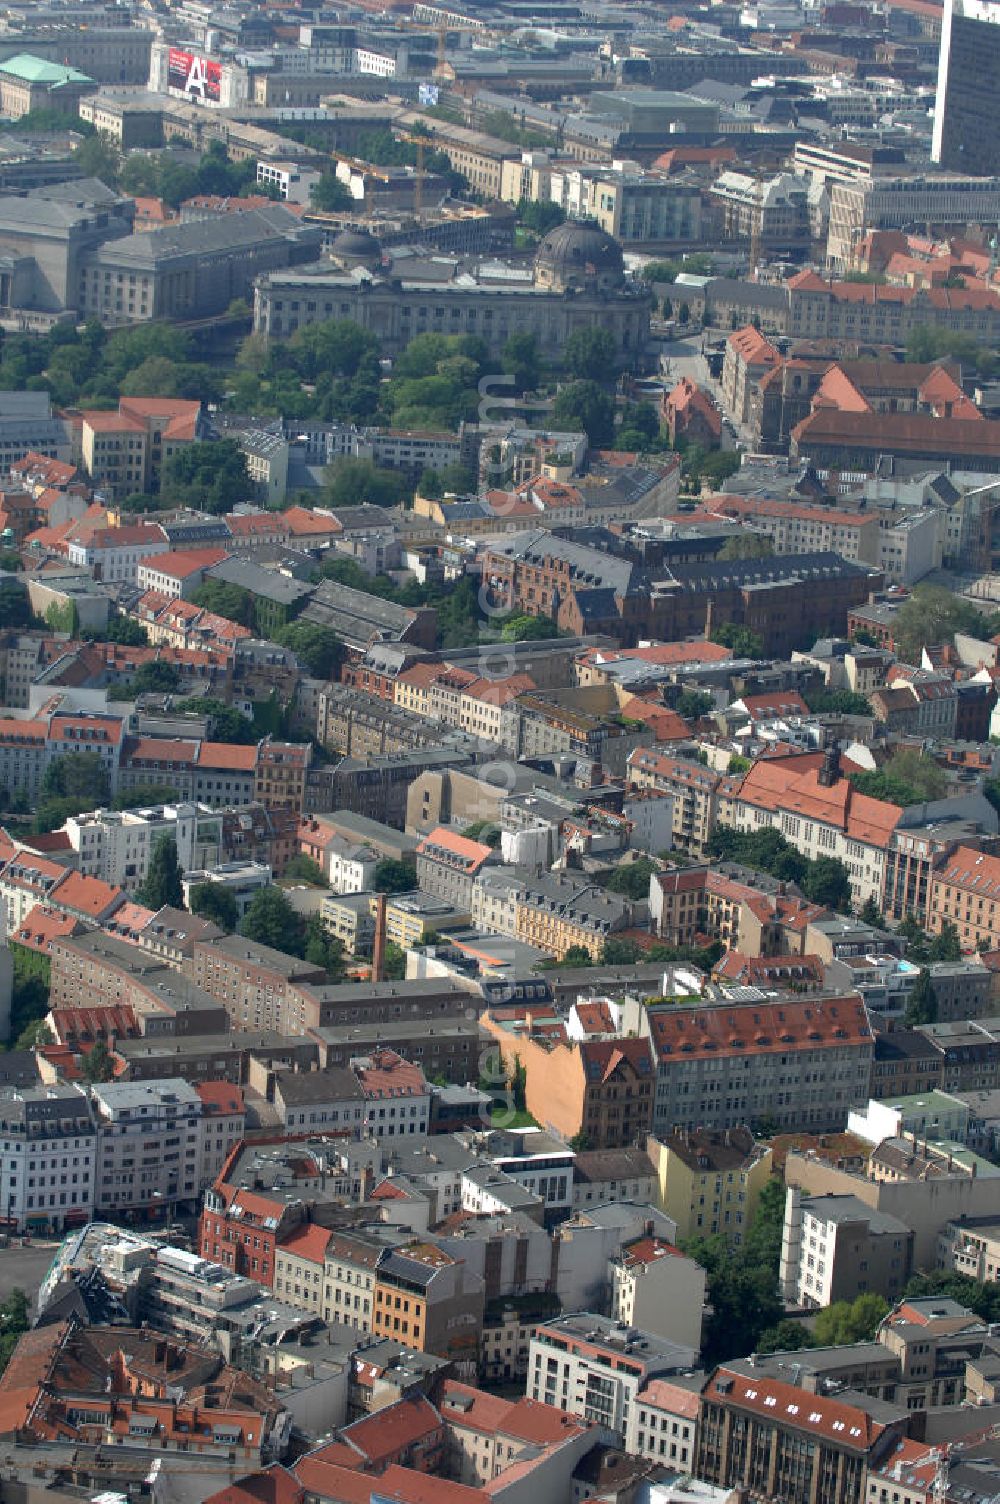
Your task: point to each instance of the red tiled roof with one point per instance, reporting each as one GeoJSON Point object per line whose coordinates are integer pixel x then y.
{"type": "Point", "coordinates": [228, 755]}
{"type": "Point", "coordinates": [385, 1435]}
{"type": "Point", "coordinates": [761, 1028]}
{"type": "Point", "coordinates": [307, 1241]}
{"type": "Point", "coordinates": [219, 1098]}
{"type": "Point", "coordinates": [472, 854]}
{"type": "Point", "coordinates": [273, 1485]}
{"type": "Point", "coordinates": [42, 926]}
{"type": "Point", "coordinates": [86, 895]}
{"type": "Point", "coordinates": [184, 562]}
{"type": "Point", "coordinates": [785, 1404]}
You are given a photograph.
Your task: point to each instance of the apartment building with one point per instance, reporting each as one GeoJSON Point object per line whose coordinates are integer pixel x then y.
{"type": "Point", "coordinates": [601, 1088]}
{"type": "Point", "coordinates": [965, 891]}
{"type": "Point", "coordinates": [944, 200]}
{"type": "Point", "coordinates": [111, 971]}
{"type": "Point", "coordinates": [113, 554]}
{"type": "Point", "coordinates": [149, 1147]}
{"type": "Point", "coordinates": [774, 1440]}
{"type": "Point", "coordinates": [708, 1181]}
{"type": "Point", "coordinates": [595, 1368]}
{"type": "Point", "coordinates": [448, 865]}
{"type": "Point", "coordinates": [836, 1247]}
{"type": "Point", "coordinates": [259, 988]}
{"type": "Point", "coordinates": [299, 1264]}
{"type": "Point", "coordinates": [656, 1288]}
{"type": "Point", "coordinates": [871, 313]}
{"type": "Point", "coordinates": [48, 1170]}
{"type": "Point", "coordinates": [349, 1266]}
{"type": "Point", "coordinates": [429, 1301]}
{"type": "Point", "coordinates": [794, 1062]}
{"type": "Point", "coordinates": [124, 452]}
{"type": "Point", "coordinates": [798, 528]}
{"type": "Point", "coordinates": [557, 911]}
{"type": "Point", "coordinates": [748, 358]}
{"type": "Point", "coordinates": [692, 787]}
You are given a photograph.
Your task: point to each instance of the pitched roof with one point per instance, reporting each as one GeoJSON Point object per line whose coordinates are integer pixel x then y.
{"type": "Point", "coordinates": [184, 562]}
{"type": "Point", "coordinates": [759, 1028]}
{"type": "Point", "coordinates": [307, 1241]}
{"type": "Point", "coordinates": [846, 1425]}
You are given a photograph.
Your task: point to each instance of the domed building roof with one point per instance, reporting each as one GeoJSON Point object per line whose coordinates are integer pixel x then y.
{"type": "Point", "coordinates": [575, 253]}
{"type": "Point", "coordinates": [356, 245]}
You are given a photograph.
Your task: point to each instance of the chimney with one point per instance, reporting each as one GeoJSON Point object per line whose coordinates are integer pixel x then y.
{"type": "Point", "coordinates": [378, 948]}
{"type": "Point", "coordinates": [830, 770]}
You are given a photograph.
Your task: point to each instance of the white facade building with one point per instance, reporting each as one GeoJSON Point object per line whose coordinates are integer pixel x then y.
{"type": "Point", "coordinates": [48, 1154]}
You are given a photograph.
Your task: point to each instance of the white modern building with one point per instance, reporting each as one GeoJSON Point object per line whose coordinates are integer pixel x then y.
{"type": "Point", "coordinates": [117, 845]}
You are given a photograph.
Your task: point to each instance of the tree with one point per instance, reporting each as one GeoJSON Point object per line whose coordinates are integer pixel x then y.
{"type": "Point", "coordinates": [872, 914]}
{"type": "Point", "coordinates": [788, 1336]}
{"type": "Point", "coordinates": [909, 777]}
{"type": "Point", "coordinates": [747, 546]}
{"type": "Point", "coordinates": [931, 616]}
{"type": "Point", "coordinates": [922, 1004]}
{"type": "Point", "coordinates": [97, 1065]}
{"type": "Point", "coordinates": [836, 702]}
{"type": "Point", "coordinates": [123, 630]}
{"type": "Point", "coordinates": [98, 157]}
{"type": "Point", "coordinates": [14, 1320]}
{"type": "Point", "coordinates": [230, 601]}
{"type": "Point", "coordinates": [329, 194]}
{"type": "Point", "coordinates": [271, 920]}
{"type": "Point", "coordinates": [828, 882]}
{"type": "Point", "coordinates": [323, 949]}
{"type": "Point", "coordinates": [946, 945]}
{"type": "Point", "coordinates": [80, 776]}
{"type": "Point", "coordinates": [528, 629]}
{"type": "Point", "coordinates": [226, 723]}
{"type": "Point", "coordinates": [63, 617]}
{"type": "Point", "coordinates": [632, 878]}
{"type": "Point", "coordinates": [392, 876]}
{"type": "Point", "coordinates": [155, 678]}
{"type": "Point", "coordinates": [692, 704]}
{"type": "Point", "coordinates": [521, 358]}
{"type": "Point", "coordinates": [394, 962]}
{"type": "Point", "coordinates": [620, 952]}
{"type": "Point", "coordinates": [213, 901]}
{"type": "Point", "coordinates": [304, 869]}
{"type": "Point", "coordinates": [577, 955]}
{"type": "Point", "coordinates": [162, 883]}
{"type": "Point", "coordinates": [585, 405]}
{"type": "Point", "coordinates": [540, 217]}
{"type": "Point", "coordinates": [743, 1282]}
{"type": "Point", "coordinates": [211, 475]}
{"type": "Point", "coordinates": [742, 641]}
{"type": "Point", "coordinates": [316, 646]}
{"type": "Point", "coordinates": [850, 1321]}
{"type": "Point", "coordinates": [590, 354]}
{"type": "Point", "coordinates": [350, 482]}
